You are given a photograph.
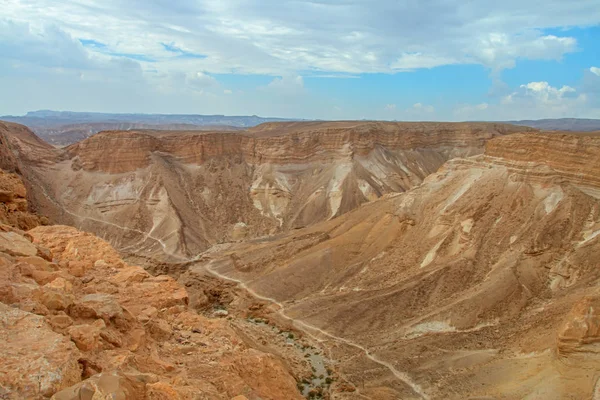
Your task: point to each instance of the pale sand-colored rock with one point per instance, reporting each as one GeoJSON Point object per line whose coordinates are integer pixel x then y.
{"type": "Point", "coordinates": [172, 195]}
{"type": "Point", "coordinates": [105, 386]}
{"type": "Point", "coordinates": [479, 282]}
{"type": "Point", "coordinates": [16, 245]}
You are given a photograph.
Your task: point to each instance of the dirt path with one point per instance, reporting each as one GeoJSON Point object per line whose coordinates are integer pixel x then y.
{"type": "Point", "coordinates": [147, 235]}
{"type": "Point", "coordinates": [311, 330]}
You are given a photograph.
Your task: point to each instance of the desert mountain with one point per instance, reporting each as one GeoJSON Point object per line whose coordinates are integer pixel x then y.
{"type": "Point", "coordinates": [64, 135]}
{"type": "Point", "coordinates": [62, 128]}
{"type": "Point", "coordinates": [175, 194]}
{"type": "Point", "coordinates": [562, 124]}
{"type": "Point", "coordinates": [481, 282]}
{"type": "Point", "coordinates": [427, 260]}
{"type": "Point", "coordinates": [77, 322]}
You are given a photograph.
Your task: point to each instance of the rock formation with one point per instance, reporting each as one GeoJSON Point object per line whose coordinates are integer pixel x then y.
{"type": "Point", "coordinates": [77, 322]}
{"type": "Point", "coordinates": [87, 314]}
{"type": "Point", "coordinates": [480, 282]}
{"type": "Point", "coordinates": [428, 261]}
{"type": "Point", "coordinates": [175, 194]}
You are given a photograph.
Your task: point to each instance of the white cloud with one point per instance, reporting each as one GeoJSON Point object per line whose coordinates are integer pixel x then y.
{"type": "Point", "coordinates": [421, 108]}
{"type": "Point", "coordinates": [543, 91]}
{"type": "Point", "coordinates": [280, 38]}
{"type": "Point", "coordinates": [411, 61]}
{"type": "Point", "coordinates": [501, 50]}
{"type": "Point", "coordinates": [157, 49]}
{"type": "Point", "coordinates": [286, 85]}
{"type": "Point", "coordinates": [200, 81]}
{"type": "Point", "coordinates": [533, 100]}
{"type": "Point", "coordinates": [390, 107]}
{"type": "Point", "coordinates": [227, 91]}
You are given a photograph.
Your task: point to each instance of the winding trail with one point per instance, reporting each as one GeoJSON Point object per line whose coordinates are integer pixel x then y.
{"type": "Point", "coordinates": [147, 235]}
{"type": "Point", "coordinates": [311, 329]}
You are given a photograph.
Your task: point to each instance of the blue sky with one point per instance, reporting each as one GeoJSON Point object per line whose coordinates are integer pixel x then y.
{"type": "Point", "coordinates": [327, 59]}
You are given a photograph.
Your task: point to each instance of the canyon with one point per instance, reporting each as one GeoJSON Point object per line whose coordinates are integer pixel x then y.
{"type": "Point", "coordinates": [172, 195]}
{"type": "Point", "coordinates": [404, 260]}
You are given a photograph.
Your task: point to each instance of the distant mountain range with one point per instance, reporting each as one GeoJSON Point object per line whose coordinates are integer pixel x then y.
{"type": "Point", "coordinates": [62, 128]}
{"type": "Point", "coordinates": [562, 124]}
{"type": "Point", "coordinates": [49, 117]}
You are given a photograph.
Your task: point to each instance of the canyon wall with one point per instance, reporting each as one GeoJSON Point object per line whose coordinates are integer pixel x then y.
{"type": "Point", "coordinates": [480, 282]}
{"type": "Point", "coordinates": [77, 322]}
{"type": "Point", "coordinates": [173, 195]}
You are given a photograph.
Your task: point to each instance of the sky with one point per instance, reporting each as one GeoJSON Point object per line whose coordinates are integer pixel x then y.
{"type": "Point", "coordinates": [411, 60]}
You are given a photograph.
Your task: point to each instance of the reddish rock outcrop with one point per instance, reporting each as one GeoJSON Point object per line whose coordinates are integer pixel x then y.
{"type": "Point", "coordinates": [78, 322]}
{"type": "Point", "coordinates": [575, 157]}
{"type": "Point", "coordinates": [13, 203]}
{"type": "Point", "coordinates": [279, 143]}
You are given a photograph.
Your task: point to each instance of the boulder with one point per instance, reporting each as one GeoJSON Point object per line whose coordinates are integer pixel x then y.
{"type": "Point", "coordinates": [130, 275]}
{"type": "Point", "coordinates": [579, 337]}
{"type": "Point", "coordinates": [35, 360]}
{"type": "Point", "coordinates": [87, 336]}
{"type": "Point", "coordinates": [159, 329]}
{"type": "Point", "coordinates": [61, 321]}
{"type": "Point", "coordinates": [55, 299]}
{"type": "Point", "coordinates": [162, 391]}
{"type": "Point", "coordinates": [16, 245]}
{"type": "Point", "coordinates": [105, 386]}
{"type": "Point", "coordinates": [97, 305]}
{"type": "Point", "coordinates": [158, 291]}
{"type": "Point", "coordinates": [60, 284]}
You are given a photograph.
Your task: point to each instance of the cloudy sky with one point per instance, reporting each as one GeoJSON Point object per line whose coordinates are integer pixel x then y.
{"type": "Point", "coordinates": [330, 59]}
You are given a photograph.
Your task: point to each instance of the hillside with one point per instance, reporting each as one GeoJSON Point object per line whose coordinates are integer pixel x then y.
{"type": "Point", "coordinates": [479, 283]}
{"type": "Point", "coordinates": [562, 124]}
{"type": "Point", "coordinates": [176, 194]}
{"type": "Point", "coordinates": [80, 323]}
{"type": "Point", "coordinates": [420, 260]}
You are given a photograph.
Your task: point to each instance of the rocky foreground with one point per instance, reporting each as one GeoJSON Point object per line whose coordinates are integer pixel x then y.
{"type": "Point", "coordinates": [76, 322]}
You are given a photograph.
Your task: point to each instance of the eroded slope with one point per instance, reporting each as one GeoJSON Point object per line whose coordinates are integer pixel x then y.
{"type": "Point", "coordinates": [481, 281]}
{"type": "Point", "coordinates": [175, 194]}
{"type": "Point", "coordinates": [76, 322]}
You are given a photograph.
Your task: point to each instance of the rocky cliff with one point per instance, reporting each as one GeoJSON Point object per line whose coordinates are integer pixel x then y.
{"type": "Point", "coordinates": [79, 323]}
{"type": "Point", "coordinates": [175, 194]}
{"type": "Point", "coordinates": [480, 282]}
{"type": "Point", "coordinates": [428, 260]}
